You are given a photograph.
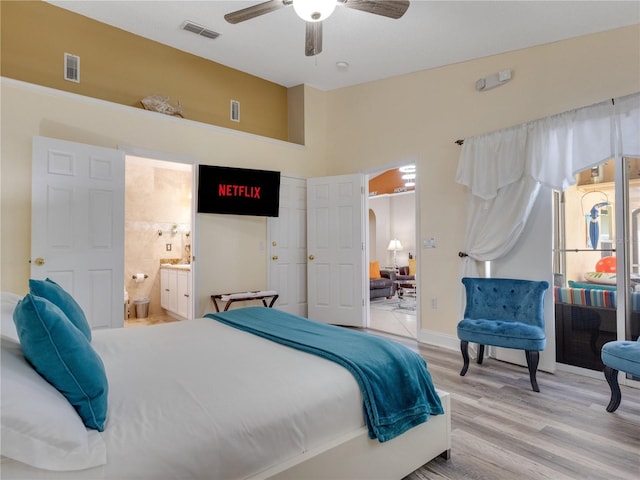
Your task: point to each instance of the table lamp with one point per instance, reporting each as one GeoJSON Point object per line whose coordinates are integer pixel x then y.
{"type": "Point", "coordinates": [394, 246]}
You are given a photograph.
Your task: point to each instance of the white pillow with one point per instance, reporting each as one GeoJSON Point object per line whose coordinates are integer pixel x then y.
{"type": "Point", "coordinates": [600, 277]}
{"type": "Point", "coordinates": [8, 304]}
{"type": "Point", "coordinates": [39, 426]}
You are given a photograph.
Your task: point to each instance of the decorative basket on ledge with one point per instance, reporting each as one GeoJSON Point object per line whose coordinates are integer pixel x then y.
{"type": "Point", "coordinates": [158, 103]}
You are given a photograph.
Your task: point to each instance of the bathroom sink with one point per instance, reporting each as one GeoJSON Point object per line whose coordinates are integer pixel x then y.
{"type": "Point", "coordinates": [177, 266]}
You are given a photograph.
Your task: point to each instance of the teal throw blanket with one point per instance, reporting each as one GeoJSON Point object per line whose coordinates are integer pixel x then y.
{"type": "Point", "coordinates": [396, 386]}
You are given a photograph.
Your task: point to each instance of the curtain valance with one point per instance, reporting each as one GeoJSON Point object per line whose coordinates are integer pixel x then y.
{"type": "Point", "coordinates": [551, 150]}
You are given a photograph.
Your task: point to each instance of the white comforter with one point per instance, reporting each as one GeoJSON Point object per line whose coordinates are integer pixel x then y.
{"type": "Point", "coordinates": [198, 399]}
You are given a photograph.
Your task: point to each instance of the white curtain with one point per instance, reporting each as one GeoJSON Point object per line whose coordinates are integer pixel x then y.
{"type": "Point", "coordinates": [504, 170]}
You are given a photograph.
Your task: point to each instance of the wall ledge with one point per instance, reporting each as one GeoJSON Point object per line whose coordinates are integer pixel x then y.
{"type": "Point", "coordinates": [144, 113]}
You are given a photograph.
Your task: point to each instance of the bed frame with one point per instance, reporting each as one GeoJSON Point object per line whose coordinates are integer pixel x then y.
{"type": "Point", "coordinates": [350, 457]}
{"type": "Point", "coordinates": [357, 456]}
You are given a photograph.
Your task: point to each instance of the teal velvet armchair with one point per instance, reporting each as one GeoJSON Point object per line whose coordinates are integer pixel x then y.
{"type": "Point", "coordinates": [504, 312]}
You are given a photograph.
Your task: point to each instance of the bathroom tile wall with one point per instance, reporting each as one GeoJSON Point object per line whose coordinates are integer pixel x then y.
{"type": "Point", "coordinates": [157, 214]}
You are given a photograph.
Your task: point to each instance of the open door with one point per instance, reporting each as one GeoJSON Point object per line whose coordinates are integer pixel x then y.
{"type": "Point", "coordinates": [336, 249]}
{"type": "Point", "coordinates": [77, 225]}
{"type": "Point", "coordinates": [287, 238]}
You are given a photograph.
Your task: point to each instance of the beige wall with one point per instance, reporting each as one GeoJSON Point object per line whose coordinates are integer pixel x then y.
{"type": "Point", "coordinates": [417, 116]}
{"type": "Point", "coordinates": [421, 115]}
{"type": "Point", "coordinates": [228, 248]}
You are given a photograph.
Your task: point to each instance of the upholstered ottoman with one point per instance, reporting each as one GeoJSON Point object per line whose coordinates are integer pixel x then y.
{"type": "Point", "coordinates": [623, 356]}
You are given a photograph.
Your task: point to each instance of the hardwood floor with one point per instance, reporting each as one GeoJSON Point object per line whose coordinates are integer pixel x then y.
{"type": "Point", "coordinates": [501, 429]}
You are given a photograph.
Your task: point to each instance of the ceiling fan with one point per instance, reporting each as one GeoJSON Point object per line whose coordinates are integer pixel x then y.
{"type": "Point", "coordinates": [313, 12]}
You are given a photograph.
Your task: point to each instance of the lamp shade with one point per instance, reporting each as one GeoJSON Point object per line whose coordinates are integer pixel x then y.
{"type": "Point", "coordinates": [314, 10]}
{"type": "Point", "coordinates": [394, 245]}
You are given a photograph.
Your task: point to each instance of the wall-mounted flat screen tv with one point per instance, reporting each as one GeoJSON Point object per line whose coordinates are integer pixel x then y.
{"type": "Point", "coordinates": [238, 191]}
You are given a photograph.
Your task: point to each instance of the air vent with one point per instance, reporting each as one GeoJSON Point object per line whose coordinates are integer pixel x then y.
{"type": "Point", "coordinates": [72, 68]}
{"type": "Point", "coordinates": [235, 111]}
{"type": "Point", "coordinates": [199, 30]}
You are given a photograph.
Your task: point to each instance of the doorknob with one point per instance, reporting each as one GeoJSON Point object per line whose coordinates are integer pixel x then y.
{"type": "Point", "coordinates": [311, 257]}
{"type": "Point", "coordinates": [275, 257]}
{"type": "Point", "coordinates": [39, 261]}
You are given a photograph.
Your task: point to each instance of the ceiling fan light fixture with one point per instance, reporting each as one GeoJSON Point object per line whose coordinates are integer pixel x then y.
{"type": "Point", "coordinates": [314, 10]}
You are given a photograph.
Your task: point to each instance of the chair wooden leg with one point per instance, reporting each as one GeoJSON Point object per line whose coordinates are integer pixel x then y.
{"type": "Point", "coordinates": [464, 348]}
{"type": "Point", "coordinates": [616, 395]}
{"type": "Point", "coordinates": [532, 362]}
{"type": "Point", "coordinates": [480, 354]}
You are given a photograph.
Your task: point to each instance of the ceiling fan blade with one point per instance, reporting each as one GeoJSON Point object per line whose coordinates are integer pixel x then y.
{"type": "Point", "coordinates": [313, 39]}
{"type": "Point", "coordinates": [387, 8]}
{"type": "Point", "coordinates": [256, 10]}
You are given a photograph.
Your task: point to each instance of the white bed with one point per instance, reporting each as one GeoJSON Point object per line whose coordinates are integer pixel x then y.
{"type": "Point", "coordinates": [199, 399]}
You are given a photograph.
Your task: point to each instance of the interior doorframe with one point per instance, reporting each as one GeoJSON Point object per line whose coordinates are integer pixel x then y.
{"type": "Point", "coordinates": [372, 172]}
{"type": "Point", "coordinates": [169, 157]}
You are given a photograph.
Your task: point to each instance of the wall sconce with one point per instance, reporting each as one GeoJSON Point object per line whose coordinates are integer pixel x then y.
{"type": "Point", "coordinates": [493, 81]}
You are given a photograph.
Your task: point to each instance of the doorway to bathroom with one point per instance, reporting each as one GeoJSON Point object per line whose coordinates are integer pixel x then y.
{"type": "Point", "coordinates": [393, 302]}
{"type": "Point", "coordinates": [158, 226]}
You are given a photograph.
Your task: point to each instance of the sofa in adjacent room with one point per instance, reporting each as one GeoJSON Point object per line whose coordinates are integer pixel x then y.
{"type": "Point", "coordinates": [381, 282]}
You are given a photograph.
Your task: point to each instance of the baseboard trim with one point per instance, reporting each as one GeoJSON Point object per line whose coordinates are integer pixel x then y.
{"type": "Point", "coordinates": [438, 339]}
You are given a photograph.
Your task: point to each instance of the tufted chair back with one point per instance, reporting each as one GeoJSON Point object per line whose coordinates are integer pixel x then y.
{"type": "Point", "coordinates": [505, 299]}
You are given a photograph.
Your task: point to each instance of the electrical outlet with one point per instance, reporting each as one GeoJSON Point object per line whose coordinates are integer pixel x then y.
{"type": "Point", "coordinates": [168, 247]}
{"type": "Point", "coordinates": [434, 303]}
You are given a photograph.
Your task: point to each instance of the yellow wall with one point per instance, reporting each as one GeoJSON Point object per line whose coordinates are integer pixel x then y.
{"type": "Point", "coordinates": [355, 129]}
{"type": "Point", "coordinates": [124, 68]}
{"type": "Point", "coordinates": [421, 115]}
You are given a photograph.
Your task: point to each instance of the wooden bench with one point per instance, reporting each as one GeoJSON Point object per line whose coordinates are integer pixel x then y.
{"type": "Point", "coordinates": [244, 296]}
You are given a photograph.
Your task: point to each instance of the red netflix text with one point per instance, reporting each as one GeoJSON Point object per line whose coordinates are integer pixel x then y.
{"type": "Point", "coordinates": [230, 190]}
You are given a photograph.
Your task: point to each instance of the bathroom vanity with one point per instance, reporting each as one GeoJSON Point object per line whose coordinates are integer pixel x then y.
{"type": "Point", "coordinates": [175, 290]}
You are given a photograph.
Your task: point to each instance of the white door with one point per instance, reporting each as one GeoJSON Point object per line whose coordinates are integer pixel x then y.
{"type": "Point", "coordinates": [287, 249]}
{"type": "Point", "coordinates": [172, 287]}
{"type": "Point", "coordinates": [183, 288]}
{"type": "Point", "coordinates": [165, 293]}
{"type": "Point", "coordinates": [336, 249]}
{"type": "Point", "coordinates": [77, 225]}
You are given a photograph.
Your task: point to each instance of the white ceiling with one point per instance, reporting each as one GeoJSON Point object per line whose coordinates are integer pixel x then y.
{"type": "Point", "coordinates": [430, 34]}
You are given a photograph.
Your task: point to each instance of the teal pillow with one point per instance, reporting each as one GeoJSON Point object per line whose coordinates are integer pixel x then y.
{"type": "Point", "coordinates": [592, 286]}
{"type": "Point", "coordinates": [57, 295]}
{"type": "Point", "coordinates": [59, 352]}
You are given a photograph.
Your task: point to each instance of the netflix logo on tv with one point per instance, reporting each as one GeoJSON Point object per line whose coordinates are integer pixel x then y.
{"type": "Point", "coordinates": [238, 191]}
